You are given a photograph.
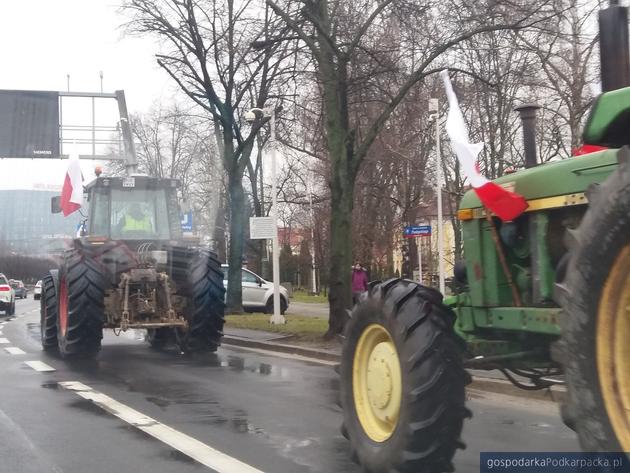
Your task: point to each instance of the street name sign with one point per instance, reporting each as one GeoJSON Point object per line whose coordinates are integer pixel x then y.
{"type": "Point", "coordinates": [417, 231]}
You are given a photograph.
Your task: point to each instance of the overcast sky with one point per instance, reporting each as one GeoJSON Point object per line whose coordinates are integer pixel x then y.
{"type": "Point", "coordinates": [41, 41]}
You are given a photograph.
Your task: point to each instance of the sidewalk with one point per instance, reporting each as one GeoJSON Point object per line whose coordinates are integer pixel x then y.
{"type": "Point", "coordinates": [309, 309]}
{"type": "Point", "coordinates": [483, 380]}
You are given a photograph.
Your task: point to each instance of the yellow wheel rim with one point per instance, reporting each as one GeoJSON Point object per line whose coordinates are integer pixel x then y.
{"type": "Point", "coordinates": [376, 383]}
{"type": "Point", "coordinates": [613, 347]}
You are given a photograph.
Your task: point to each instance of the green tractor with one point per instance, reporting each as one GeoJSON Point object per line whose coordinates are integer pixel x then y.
{"type": "Point", "coordinates": [131, 268]}
{"type": "Point", "coordinates": [544, 298]}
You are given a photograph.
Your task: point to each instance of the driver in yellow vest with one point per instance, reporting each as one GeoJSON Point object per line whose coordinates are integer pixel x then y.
{"type": "Point", "coordinates": [136, 221]}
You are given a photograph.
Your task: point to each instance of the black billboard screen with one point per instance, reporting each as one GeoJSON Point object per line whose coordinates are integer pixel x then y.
{"type": "Point", "coordinates": [29, 124]}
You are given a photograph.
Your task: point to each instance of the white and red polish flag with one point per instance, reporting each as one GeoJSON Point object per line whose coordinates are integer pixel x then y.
{"type": "Point", "coordinates": [72, 191]}
{"type": "Point", "coordinates": [505, 204]}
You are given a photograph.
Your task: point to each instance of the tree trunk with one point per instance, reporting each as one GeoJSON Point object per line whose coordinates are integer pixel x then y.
{"type": "Point", "coordinates": [237, 230]}
{"type": "Point", "coordinates": [340, 295]}
{"type": "Point", "coordinates": [343, 171]}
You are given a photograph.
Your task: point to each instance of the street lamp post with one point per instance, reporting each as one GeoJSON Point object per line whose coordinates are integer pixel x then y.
{"type": "Point", "coordinates": [434, 108]}
{"type": "Point", "coordinates": [252, 115]}
{"type": "Point", "coordinates": [313, 267]}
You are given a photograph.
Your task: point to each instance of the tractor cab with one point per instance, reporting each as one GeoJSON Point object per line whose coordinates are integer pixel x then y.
{"type": "Point", "coordinates": [132, 208]}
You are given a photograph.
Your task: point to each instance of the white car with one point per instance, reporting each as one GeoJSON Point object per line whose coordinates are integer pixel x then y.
{"type": "Point", "coordinates": [7, 296]}
{"type": "Point", "coordinates": [258, 293]}
{"type": "Point", "coordinates": [37, 292]}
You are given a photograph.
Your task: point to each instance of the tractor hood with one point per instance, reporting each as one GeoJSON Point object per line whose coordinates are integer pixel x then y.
{"type": "Point", "coordinates": [565, 177]}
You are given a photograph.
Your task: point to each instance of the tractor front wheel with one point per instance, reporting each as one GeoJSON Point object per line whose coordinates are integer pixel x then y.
{"type": "Point", "coordinates": [158, 338]}
{"type": "Point", "coordinates": [402, 380]}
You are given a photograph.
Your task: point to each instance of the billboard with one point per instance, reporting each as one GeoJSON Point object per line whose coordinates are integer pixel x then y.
{"type": "Point", "coordinates": [29, 124]}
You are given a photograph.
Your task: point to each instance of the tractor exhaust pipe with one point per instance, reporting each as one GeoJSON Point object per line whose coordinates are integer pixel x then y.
{"type": "Point", "coordinates": [528, 118]}
{"type": "Point", "coordinates": [613, 47]}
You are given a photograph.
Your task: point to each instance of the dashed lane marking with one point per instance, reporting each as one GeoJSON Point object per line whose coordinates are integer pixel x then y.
{"type": "Point", "coordinates": [15, 351]}
{"type": "Point", "coordinates": [198, 451]}
{"type": "Point", "coordinates": [39, 366]}
{"type": "Point", "coordinates": [4, 340]}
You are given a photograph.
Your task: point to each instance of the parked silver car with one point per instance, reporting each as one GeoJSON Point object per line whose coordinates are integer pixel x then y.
{"type": "Point", "coordinates": [37, 292]}
{"type": "Point", "coordinates": [257, 292]}
{"type": "Point", "coordinates": [7, 296]}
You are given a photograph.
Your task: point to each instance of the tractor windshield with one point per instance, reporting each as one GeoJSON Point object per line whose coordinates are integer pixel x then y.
{"type": "Point", "coordinates": [133, 214]}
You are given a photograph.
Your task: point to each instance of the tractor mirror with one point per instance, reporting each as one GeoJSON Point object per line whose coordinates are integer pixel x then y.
{"type": "Point", "coordinates": [55, 204]}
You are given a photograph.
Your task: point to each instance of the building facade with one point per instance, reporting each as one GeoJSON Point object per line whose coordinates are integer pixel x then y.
{"type": "Point", "coordinates": [27, 225]}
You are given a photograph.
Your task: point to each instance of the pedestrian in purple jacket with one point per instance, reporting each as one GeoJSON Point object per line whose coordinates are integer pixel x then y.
{"type": "Point", "coordinates": [359, 281]}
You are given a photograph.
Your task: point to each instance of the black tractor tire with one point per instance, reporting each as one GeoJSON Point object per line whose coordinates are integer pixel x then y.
{"type": "Point", "coordinates": [199, 278]}
{"type": "Point", "coordinates": [158, 338]}
{"type": "Point", "coordinates": [432, 406]}
{"type": "Point", "coordinates": [48, 314]}
{"type": "Point", "coordinates": [283, 305]}
{"type": "Point", "coordinates": [598, 250]}
{"type": "Point", "coordinates": [81, 310]}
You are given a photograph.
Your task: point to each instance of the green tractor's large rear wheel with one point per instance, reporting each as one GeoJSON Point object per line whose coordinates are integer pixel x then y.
{"type": "Point", "coordinates": [402, 381]}
{"type": "Point", "coordinates": [595, 344]}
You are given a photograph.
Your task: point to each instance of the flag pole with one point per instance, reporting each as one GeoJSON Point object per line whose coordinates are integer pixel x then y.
{"type": "Point", "coordinates": [434, 106]}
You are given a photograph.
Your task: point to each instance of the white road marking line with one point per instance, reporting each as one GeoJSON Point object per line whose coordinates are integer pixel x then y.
{"type": "Point", "coordinates": [4, 340]}
{"type": "Point", "coordinates": [39, 366]}
{"type": "Point", "coordinates": [189, 446]}
{"type": "Point", "coordinates": [15, 351]}
{"type": "Point", "coordinates": [279, 354]}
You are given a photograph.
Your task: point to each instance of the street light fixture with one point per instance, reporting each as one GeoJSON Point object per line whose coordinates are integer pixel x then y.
{"type": "Point", "coordinates": [270, 114]}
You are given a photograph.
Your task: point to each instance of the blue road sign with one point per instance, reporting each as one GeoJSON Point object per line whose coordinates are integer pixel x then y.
{"type": "Point", "coordinates": [187, 221]}
{"type": "Point", "coordinates": [416, 231]}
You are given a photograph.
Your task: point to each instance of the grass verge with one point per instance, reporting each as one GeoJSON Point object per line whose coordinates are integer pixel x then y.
{"type": "Point", "coordinates": [298, 327]}
{"type": "Point", "coordinates": [303, 296]}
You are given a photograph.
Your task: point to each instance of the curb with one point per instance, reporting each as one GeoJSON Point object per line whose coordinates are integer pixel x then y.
{"type": "Point", "coordinates": [282, 348]}
{"type": "Point", "coordinates": [480, 383]}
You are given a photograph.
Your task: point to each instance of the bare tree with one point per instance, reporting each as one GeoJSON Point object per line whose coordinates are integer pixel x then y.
{"type": "Point", "coordinates": [207, 50]}
{"type": "Point", "coordinates": [565, 51]}
{"type": "Point", "coordinates": [168, 145]}
{"type": "Point", "coordinates": [338, 34]}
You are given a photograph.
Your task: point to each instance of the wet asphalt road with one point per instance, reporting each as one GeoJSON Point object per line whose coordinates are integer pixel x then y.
{"type": "Point", "coordinates": [273, 413]}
